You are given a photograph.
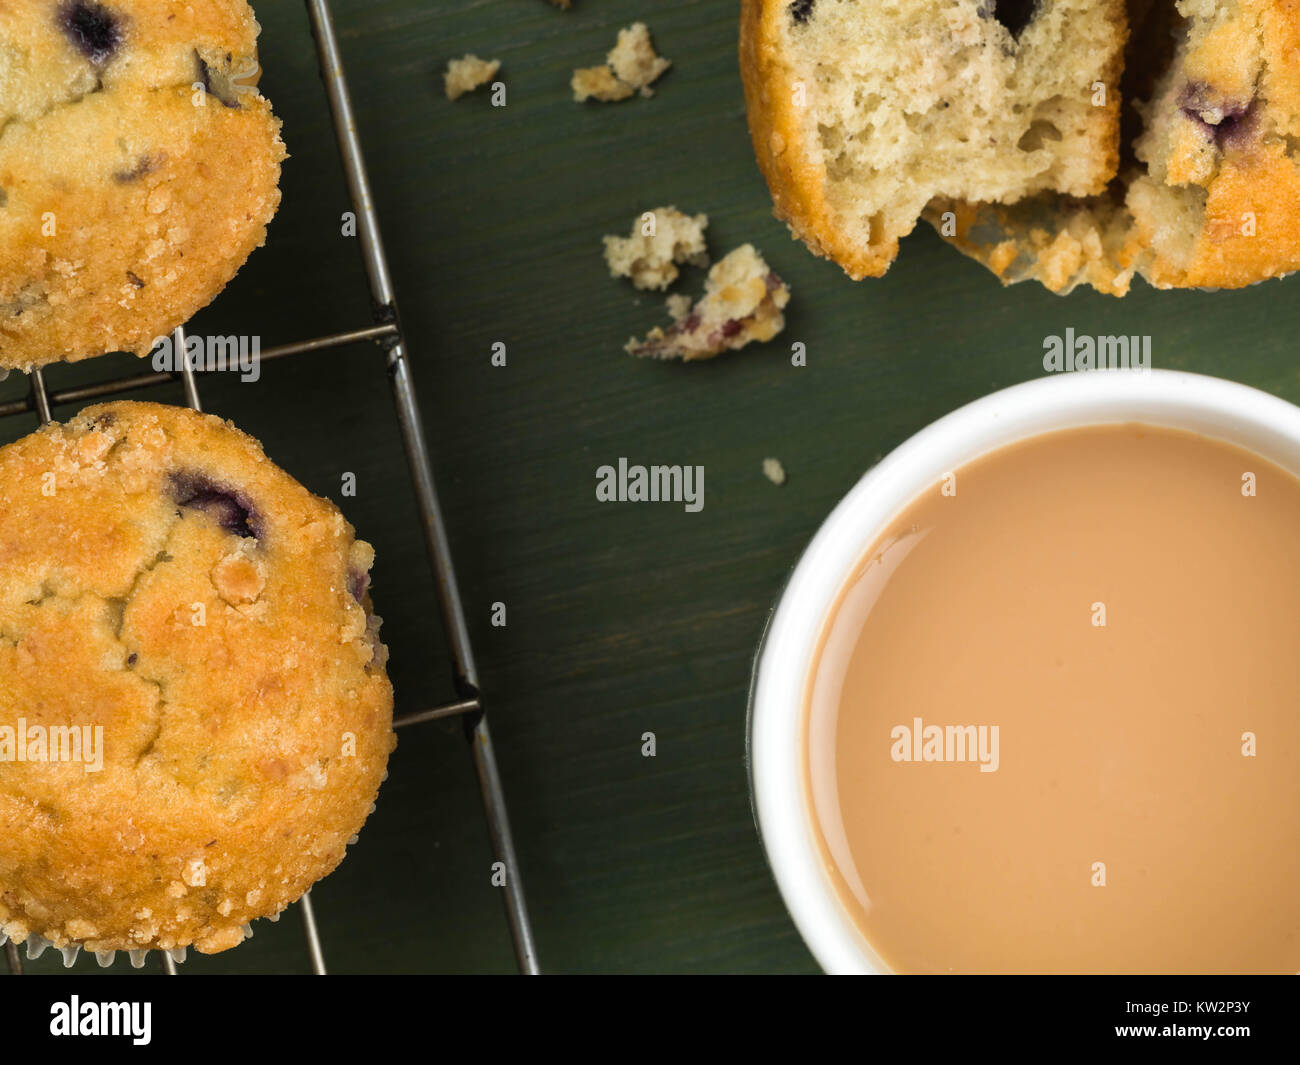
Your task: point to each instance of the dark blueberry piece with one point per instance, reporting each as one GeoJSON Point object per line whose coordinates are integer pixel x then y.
{"type": "Point", "coordinates": [801, 10]}
{"type": "Point", "coordinates": [132, 659]}
{"type": "Point", "coordinates": [358, 583]}
{"type": "Point", "coordinates": [229, 509]}
{"type": "Point", "coordinates": [1014, 15]}
{"type": "Point", "coordinates": [731, 327]}
{"type": "Point", "coordinates": [1236, 127]}
{"type": "Point", "coordinates": [376, 644]}
{"type": "Point", "coordinates": [1226, 122]}
{"type": "Point", "coordinates": [146, 164]}
{"type": "Point", "coordinates": [135, 279]}
{"type": "Point", "coordinates": [217, 84]}
{"type": "Point", "coordinates": [93, 28]}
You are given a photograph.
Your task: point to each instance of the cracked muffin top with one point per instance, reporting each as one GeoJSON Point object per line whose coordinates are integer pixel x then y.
{"type": "Point", "coordinates": [139, 167]}
{"type": "Point", "coordinates": [170, 591]}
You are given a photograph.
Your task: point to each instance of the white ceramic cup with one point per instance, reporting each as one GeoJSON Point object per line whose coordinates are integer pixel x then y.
{"type": "Point", "coordinates": [1207, 405]}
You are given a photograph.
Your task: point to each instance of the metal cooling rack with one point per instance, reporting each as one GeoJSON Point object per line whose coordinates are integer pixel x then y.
{"type": "Point", "coordinates": [387, 333]}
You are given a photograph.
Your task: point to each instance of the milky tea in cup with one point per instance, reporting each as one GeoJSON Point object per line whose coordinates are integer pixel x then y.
{"type": "Point", "coordinates": [1053, 720]}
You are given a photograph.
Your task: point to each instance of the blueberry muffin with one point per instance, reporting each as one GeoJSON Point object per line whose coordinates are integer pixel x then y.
{"type": "Point", "coordinates": [862, 112]}
{"type": "Point", "coordinates": [191, 632]}
{"type": "Point", "coordinates": [1209, 193]}
{"type": "Point", "coordinates": [139, 167]}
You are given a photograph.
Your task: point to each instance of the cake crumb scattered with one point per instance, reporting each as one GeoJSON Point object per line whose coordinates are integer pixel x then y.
{"type": "Point", "coordinates": [631, 65]}
{"type": "Point", "coordinates": [743, 302]}
{"type": "Point", "coordinates": [599, 83]}
{"type": "Point", "coordinates": [467, 74]}
{"type": "Point", "coordinates": [774, 471]}
{"type": "Point", "coordinates": [634, 60]}
{"type": "Point", "coordinates": [650, 259]}
{"type": "Point", "coordinates": [679, 306]}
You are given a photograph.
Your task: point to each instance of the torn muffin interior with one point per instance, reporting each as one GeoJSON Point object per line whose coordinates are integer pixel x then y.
{"type": "Point", "coordinates": [1209, 172]}
{"type": "Point", "coordinates": [968, 99]}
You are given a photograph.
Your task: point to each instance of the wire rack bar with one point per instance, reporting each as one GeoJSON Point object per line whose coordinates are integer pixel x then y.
{"type": "Point", "coordinates": [61, 397]}
{"type": "Point", "coordinates": [40, 399]}
{"type": "Point", "coordinates": [312, 933]}
{"type": "Point", "coordinates": [464, 706]}
{"type": "Point", "coordinates": [188, 381]}
{"type": "Point", "coordinates": [417, 453]}
{"type": "Point", "coordinates": [385, 300]}
{"type": "Point", "coordinates": [387, 333]}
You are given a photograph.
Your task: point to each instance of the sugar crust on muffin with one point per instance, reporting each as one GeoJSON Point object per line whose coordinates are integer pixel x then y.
{"type": "Point", "coordinates": [139, 168]}
{"type": "Point", "coordinates": [161, 579]}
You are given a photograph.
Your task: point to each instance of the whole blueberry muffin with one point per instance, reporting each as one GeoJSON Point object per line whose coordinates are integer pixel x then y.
{"type": "Point", "coordinates": [1208, 194]}
{"type": "Point", "coordinates": [139, 167]}
{"type": "Point", "coordinates": [863, 111]}
{"type": "Point", "coordinates": [194, 713]}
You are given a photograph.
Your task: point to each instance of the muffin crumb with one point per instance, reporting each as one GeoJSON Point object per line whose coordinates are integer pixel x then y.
{"type": "Point", "coordinates": [630, 67]}
{"type": "Point", "coordinates": [599, 83]}
{"type": "Point", "coordinates": [679, 306]}
{"type": "Point", "coordinates": [774, 471]}
{"type": "Point", "coordinates": [743, 302]}
{"type": "Point", "coordinates": [467, 74]}
{"type": "Point", "coordinates": [659, 241]}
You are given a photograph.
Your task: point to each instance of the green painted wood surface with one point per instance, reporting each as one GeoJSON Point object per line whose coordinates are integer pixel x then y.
{"type": "Point", "coordinates": [621, 619]}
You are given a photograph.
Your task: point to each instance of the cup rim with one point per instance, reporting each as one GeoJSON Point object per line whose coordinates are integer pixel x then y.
{"type": "Point", "coordinates": [1210, 406]}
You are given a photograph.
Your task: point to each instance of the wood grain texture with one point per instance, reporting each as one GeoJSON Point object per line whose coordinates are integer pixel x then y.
{"type": "Point", "coordinates": [622, 619]}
